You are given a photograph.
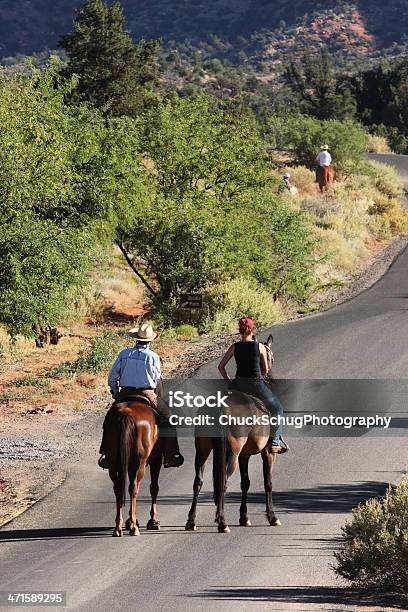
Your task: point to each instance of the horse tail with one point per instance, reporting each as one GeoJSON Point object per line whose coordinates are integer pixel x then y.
{"type": "Point", "coordinates": [126, 436]}
{"type": "Point", "coordinates": [219, 468]}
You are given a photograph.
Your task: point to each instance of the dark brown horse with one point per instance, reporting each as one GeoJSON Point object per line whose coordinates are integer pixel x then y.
{"type": "Point", "coordinates": [325, 177]}
{"type": "Point", "coordinates": [131, 438]}
{"type": "Point", "coordinates": [234, 448]}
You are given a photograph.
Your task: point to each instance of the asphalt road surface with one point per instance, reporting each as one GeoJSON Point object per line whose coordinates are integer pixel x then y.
{"type": "Point", "coordinates": [64, 542]}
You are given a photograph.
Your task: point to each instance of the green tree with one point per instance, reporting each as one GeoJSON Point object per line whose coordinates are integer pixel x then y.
{"type": "Point", "coordinates": [42, 268]}
{"type": "Point", "coordinates": [381, 95]}
{"type": "Point", "coordinates": [67, 175]}
{"type": "Point", "coordinates": [114, 73]}
{"type": "Point", "coordinates": [305, 135]}
{"type": "Point", "coordinates": [211, 214]}
{"type": "Point", "coordinates": [318, 92]}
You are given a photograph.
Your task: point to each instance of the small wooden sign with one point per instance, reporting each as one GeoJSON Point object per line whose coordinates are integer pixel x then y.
{"type": "Point", "coordinates": [191, 300]}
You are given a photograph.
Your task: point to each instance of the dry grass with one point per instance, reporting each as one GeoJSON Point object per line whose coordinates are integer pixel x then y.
{"type": "Point", "coordinates": [122, 289]}
{"type": "Point", "coordinates": [377, 144]}
{"type": "Point", "coordinates": [352, 218]}
{"type": "Point", "coordinates": [304, 180]}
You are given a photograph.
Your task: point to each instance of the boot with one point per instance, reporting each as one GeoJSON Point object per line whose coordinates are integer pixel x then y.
{"type": "Point", "coordinates": [171, 451]}
{"type": "Point", "coordinates": [103, 462]}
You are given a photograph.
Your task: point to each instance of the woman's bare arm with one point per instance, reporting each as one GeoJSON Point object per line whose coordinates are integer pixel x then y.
{"type": "Point", "coordinates": [227, 357]}
{"type": "Point", "coordinates": [264, 360]}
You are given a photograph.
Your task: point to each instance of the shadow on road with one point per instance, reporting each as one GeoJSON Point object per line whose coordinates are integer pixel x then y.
{"type": "Point", "coordinates": [331, 498]}
{"type": "Point", "coordinates": [22, 535]}
{"type": "Point", "coordinates": [302, 595]}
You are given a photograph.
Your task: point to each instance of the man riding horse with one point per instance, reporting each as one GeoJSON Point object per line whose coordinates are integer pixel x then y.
{"type": "Point", "coordinates": [137, 372]}
{"type": "Point", "coordinates": [324, 172]}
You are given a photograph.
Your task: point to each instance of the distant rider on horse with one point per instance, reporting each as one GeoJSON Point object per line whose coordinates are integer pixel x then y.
{"type": "Point", "coordinates": [324, 169]}
{"type": "Point", "coordinates": [286, 185]}
{"type": "Point", "coordinates": [252, 366]}
{"type": "Point", "coordinates": [137, 372]}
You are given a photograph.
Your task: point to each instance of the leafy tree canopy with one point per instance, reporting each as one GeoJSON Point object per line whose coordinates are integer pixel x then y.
{"type": "Point", "coordinates": [66, 176]}
{"type": "Point", "coordinates": [211, 212]}
{"type": "Point", "coordinates": [305, 135]}
{"type": "Point", "coordinates": [319, 93]}
{"type": "Point", "coordinates": [114, 73]}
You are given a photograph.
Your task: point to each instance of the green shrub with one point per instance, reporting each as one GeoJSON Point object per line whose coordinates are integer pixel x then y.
{"type": "Point", "coordinates": [101, 353]}
{"type": "Point", "coordinates": [31, 381]}
{"type": "Point", "coordinates": [305, 135]}
{"type": "Point", "coordinates": [66, 368]}
{"type": "Point", "coordinates": [14, 396]}
{"type": "Point", "coordinates": [185, 332]}
{"type": "Point", "coordinates": [229, 301]}
{"type": "Point", "coordinates": [338, 253]}
{"type": "Point", "coordinates": [384, 178]}
{"type": "Point", "coordinates": [96, 358]}
{"type": "Point", "coordinates": [375, 543]}
{"type": "Point", "coordinates": [380, 226]}
{"type": "Point", "coordinates": [178, 332]}
{"type": "Point", "coordinates": [390, 211]}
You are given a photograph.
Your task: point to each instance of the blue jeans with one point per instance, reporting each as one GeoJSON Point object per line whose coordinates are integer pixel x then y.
{"type": "Point", "coordinates": [261, 390]}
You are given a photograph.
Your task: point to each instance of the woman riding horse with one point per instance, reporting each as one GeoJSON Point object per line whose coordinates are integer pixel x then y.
{"type": "Point", "coordinates": [252, 365]}
{"type": "Point", "coordinates": [238, 442]}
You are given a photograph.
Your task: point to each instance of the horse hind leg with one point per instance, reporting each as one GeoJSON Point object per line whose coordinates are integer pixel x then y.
{"type": "Point", "coordinates": [200, 461]}
{"type": "Point", "coordinates": [117, 488]}
{"type": "Point", "coordinates": [155, 467]}
{"type": "Point", "coordinates": [245, 483]}
{"type": "Point", "coordinates": [136, 473]}
{"type": "Point", "coordinates": [268, 460]}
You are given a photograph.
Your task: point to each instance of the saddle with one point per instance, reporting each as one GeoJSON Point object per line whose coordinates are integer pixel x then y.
{"type": "Point", "coordinates": [135, 396]}
{"type": "Point", "coordinates": [256, 402]}
{"type": "Point", "coordinates": [259, 404]}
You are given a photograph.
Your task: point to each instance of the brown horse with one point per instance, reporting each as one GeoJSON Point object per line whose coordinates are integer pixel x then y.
{"type": "Point", "coordinates": [325, 177]}
{"type": "Point", "coordinates": [131, 438]}
{"type": "Point", "coordinates": [235, 447]}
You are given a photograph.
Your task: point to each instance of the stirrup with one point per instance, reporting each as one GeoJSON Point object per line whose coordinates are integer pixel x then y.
{"type": "Point", "coordinates": [281, 448]}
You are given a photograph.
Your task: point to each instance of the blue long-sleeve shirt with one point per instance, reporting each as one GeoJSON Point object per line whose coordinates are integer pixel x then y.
{"type": "Point", "coordinates": [135, 367]}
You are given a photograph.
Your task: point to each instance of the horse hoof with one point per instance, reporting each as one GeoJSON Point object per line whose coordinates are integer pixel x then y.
{"type": "Point", "coordinates": [153, 525]}
{"type": "Point", "coordinates": [127, 524]}
{"type": "Point", "coordinates": [190, 527]}
{"type": "Point", "coordinates": [223, 529]}
{"type": "Point", "coordinates": [117, 533]}
{"type": "Point", "coordinates": [275, 522]}
{"type": "Point", "coordinates": [134, 531]}
{"type": "Point", "coordinates": [245, 523]}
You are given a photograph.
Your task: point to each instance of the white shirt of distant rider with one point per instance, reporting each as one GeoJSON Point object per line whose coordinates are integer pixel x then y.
{"type": "Point", "coordinates": [324, 158]}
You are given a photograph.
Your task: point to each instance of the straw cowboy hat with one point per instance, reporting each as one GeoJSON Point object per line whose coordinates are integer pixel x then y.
{"type": "Point", "coordinates": [144, 332]}
{"type": "Point", "coordinates": [324, 147]}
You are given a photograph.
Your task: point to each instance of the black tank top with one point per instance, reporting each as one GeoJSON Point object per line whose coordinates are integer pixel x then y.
{"type": "Point", "coordinates": [248, 359]}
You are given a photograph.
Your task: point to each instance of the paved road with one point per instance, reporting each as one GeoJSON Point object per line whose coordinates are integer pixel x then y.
{"type": "Point", "coordinates": [64, 541]}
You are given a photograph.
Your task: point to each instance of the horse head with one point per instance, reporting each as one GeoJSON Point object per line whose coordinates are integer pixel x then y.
{"type": "Point", "coordinates": [268, 346]}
